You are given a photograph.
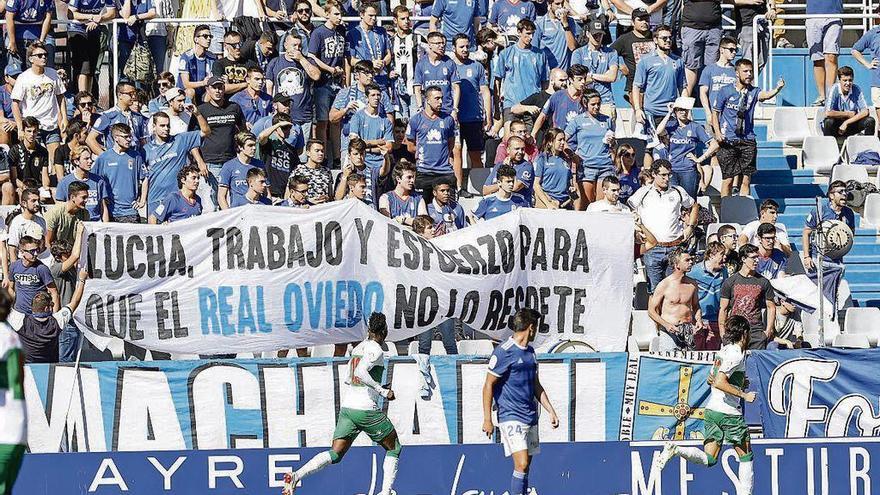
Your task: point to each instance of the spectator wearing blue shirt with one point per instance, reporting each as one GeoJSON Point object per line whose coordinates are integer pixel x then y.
{"type": "Point", "coordinates": [96, 202]}
{"type": "Point", "coordinates": [374, 129]}
{"type": "Point", "coordinates": [85, 35]}
{"type": "Point", "coordinates": [28, 21]}
{"type": "Point", "coordinates": [870, 42]}
{"type": "Point", "coordinates": [7, 122]}
{"type": "Point", "coordinates": [522, 67]}
{"type": "Point", "coordinates": [684, 136]}
{"type": "Point", "coordinates": [846, 112]}
{"type": "Point", "coordinates": [525, 172]}
{"type": "Point", "coordinates": [553, 176]}
{"type": "Point", "coordinates": [659, 80]}
{"type": "Point", "coordinates": [431, 137]}
{"type": "Point", "coordinates": [369, 42]}
{"type": "Point", "coordinates": [257, 190]}
{"type": "Point", "coordinates": [353, 98]}
{"type": "Point", "coordinates": [196, 64]}
{"type": "Point", "coordinates": [160, 103]}
{"type": "Point", "coordinates": [446, 214]}
{"type": "Point", "coordinates": [183, 203]}
{"type": "Point", "coordinates": [254, 102]}
{"type": "Point", "coordinates": [403, 204]}
{"type": "Point", "coordinates": [456, 17]}
{"type": "Point", "coordinates": [293, 75]}
{"type": "Point", "coordinates": [327, 48]}
{"type": "Point", "coordinates": [124, 169]}
{"type": "Point", "coordinates": [602, 64]}
{"type": "Point", "coordinates": [437, 70]}
{"type": "Point", "coordinates": [627, 171]}
{"type": "Point", "coordinates": [506, 15]}
{"type": "Point", "coordinates": [233, 175]}
{"type": "Point", "coordinates": [709, 275]}
{"type": "Point", "coordinates": [554, 34]}
{"type": "Point", "coordinates": [504, 200]}
{"type": "Point", "coordinates": [121, 113]}
{"type": "Point", "coordinates": [591, 136]}
{"type": "Point", "coordinates": [771, 261]}
{"type": "Point", "coordinates": [358, 165]}
{"type": "Point", "coordinates": [823, 42]}
{"type": "Point", "coordinates": [166, 155]}
{"type": "Point", "coordinates": [733, 120]}
{"type": "Point", "coordinates": [28, 276]}
{"type": "Point", "coordinates": [834, 209]}
{"type": "Point", "coordinates": [720, 74]}
{"type": "Point", "coordinates": [475, 115]}
{"type": "Point", "coordinates": [566, 104]}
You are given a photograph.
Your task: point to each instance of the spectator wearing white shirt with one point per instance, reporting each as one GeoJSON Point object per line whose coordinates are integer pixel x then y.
{"type": "Point", "coordinates": [659, 207]}
{"type": "Point", "coordinates": [769, 214]}
{"type": "Point", "coordinates": [27, 223]}
{"type": "Point", "coordinates": [611, 201]}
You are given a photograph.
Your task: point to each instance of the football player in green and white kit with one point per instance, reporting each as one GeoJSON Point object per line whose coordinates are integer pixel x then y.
{"type": "Point", "coordinates": [723, 420]}
{"type": "Point", "coordinates": [360, 411]}
{"type": "Point", "coordinates": [13, 415]}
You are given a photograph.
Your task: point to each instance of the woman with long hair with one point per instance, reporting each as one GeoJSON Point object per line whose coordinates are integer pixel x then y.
{"type": "Point", "coordinates": [591, 136]}
{"type": "Point", "coordinates": [627, 171]}
{"type": "Point", "coordinates": [684, 136]}
{"type": "Point", "coordinates": [553, 174]}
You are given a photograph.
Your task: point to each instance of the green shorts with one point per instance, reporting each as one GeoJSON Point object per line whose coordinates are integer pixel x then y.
{"type": "Point", "coordinates": [730, 428]}
{"type": "Point", "coordinates": [352, 422]}
{"type": "Point", "coordinates": [10, 461]}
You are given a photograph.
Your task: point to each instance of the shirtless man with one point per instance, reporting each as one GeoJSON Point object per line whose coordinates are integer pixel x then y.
{"type": "Point", "coordinates": [675, 305]}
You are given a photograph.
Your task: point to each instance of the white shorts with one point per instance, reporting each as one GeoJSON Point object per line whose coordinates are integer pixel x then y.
{"type": "Point", "coordinates": [517, 436]}
{"type": "Point", "coordinates": [875, 97]}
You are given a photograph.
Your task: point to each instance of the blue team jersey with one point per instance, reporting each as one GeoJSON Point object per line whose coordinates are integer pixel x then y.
{"type": "Point", "coordinates": [397, 206]}
{"type": "Point", "coordinates": [432, 136]}
{"type": "Point", "coordinates": [588, 136]}
{"type": "Point", "coordinates": [492, 206]}
{"type": "Point", "coordinates": [328, 46]}
{"type": "Point", "coordinates": [525, 173]}
{"type": "Point", "coordinates": [28, 16]}
{"type": "Point", "coordinates": [839, 102]}
{"type": "Point", "coordinates": [354, 93]}
{"type": "Point", "coordinates": [253, 108]}
{"type": "Point", "coordinates": [123, 173]}
{"type": "Point", "coordinates": [369, 127]}
{"type": "Point", "coordinates": [457, 17]}
{"type": "Point", "coordinates": [135, 121]}
{"type": "Point", "coordinates": [367, 44]}
{"type": "Point", "coordinates": [730, 102]}
{"type": "Point", "coordinates": [599, 62]}
{"type": "Point", "coordinates": [97, 193]}
{"type": "Point", "coordinates": [709, 285]}
{"type": "Point", "coordinates": [233, 175]}
{"type": "Point", "coordinates": [6, 102]}
{"type": "Point", "coordinates": [447, 218]}
{"type": "Point", "coordinates": [661, 80]}
{"type": "Point", "coordinates": [522, 70]}
{"type": "Point", "coordinates": [772, 266]}
{"type": "Point", "coordinates": [470, 104]}
{"type": "Point", "coordinates": [716, 77]}
{"type": "Point", "coordinates": [629, 183]}
{"type": "Point", "coordinates": [870, 42]}
{"type": "Point", "coordinates": [443, 74]}
{"type": "Point", "coordinates": [683, 139]}
{"type": "Point", "coordinates": [514, 393]}
{"type": "Point", "coordinates": [824, 6]}
{"type": "Point", "coordinates": [243, 200]}
{"type": "Point", "coordinates": [289, 78]}
{"type": "Point", "coordinates": [197, 67]}
{"type": "Point", "coordinates": [846, 216]}
{"type": "Point", "coordinates": [561, 108]}
{"type": "Point", "coordinates": [506, 14]}
{"type": "Point", "coordinates": [555, 174]}
{"type": "Point", "coordinates": [550, 37]}
{"type": "Point", "coordinates": [164, 161]}
{"type": "Point", "coordinates": [371, 176]}
{"type": "Point", "coordinates": [175, 207]}
{"type": "Point", "coordinates": [91, 7]}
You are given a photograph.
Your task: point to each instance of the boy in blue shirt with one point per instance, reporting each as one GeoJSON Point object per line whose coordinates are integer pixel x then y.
{"type": "Point", "coordinates": [601, 62]}
{"type": "Point", "coordinates": [254, 102]}
{"type": "Point", "coordinates": [846, 112]}
{"type": "Point", "coordinates": [504, 200]}
{"type": "Point", "coordinates": [196, 64]}
{"type": "Point", "coordinates": [721, 73]}
{"type": "Point", "coordinates": [257, 192]}
{"type": "Point", "coordinates": [458, 17]}
{"type": "Point", "coordinates": [82, 161]}
{"type": "Point", "coordinates": [374, 129]}
{"type": "Point", "coordinates": [506, 14]}
{"type": "Point", "coordinates": [514, 388]}
{"type": "Point", "coordinates": [124, 170]}
{"type": "Point", "coordinates": [182, 204]}
{"type": "Point", "coordinates": [233, 182]}
{"type": "Point", "coordinates": [446, 214]}
{"type": "Point", "coordinates": [437, 70]}
{"type": "Point", "coordinates": [167, 154]}
{"type": "Point", "coordinates": [522, 67]}
{"type": "Point", "coordinates": [525, 172]}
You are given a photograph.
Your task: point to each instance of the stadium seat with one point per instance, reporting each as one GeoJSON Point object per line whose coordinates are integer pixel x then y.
{"type": "Point", "coordinates": [820, 153]}
{"type": "Point", "coordinates": [480, 347]}
{"type": "Point", "coordinates": [811, 326]}
{"type": "Point", "coordinates": [389, 348]}
{"type": "Point", "coordinates": [738, 209]}
{"type": "Point", "coordinates": [477, 177]}
{"type": "Point", "coordinates": [863, 321]}
{"type": "Point", "coordinates": [871, 213]}
{"type": "Point", "coordinates": [812, 339]}
{"type": "Point", "coordinates": [846, 173]}
{"type": "Point", "coordinates": [322, 351]}
{"type": "Point", "coordinates": [632, 345]}
{"type": "Point", "coordinates": [817, 122]}
{"type": "Point", "coordinates": [655, 344]}
{"type": "Point", "coordinates": [437, 348]}
{"type": "Point", "coordinates": [790, 125]}
{"type": "Point", "coordinates": [857, 144]}
{"type": "Point", "coordinates": [847, 341]}
{"type": "Point", "coordinates": [643, 328]}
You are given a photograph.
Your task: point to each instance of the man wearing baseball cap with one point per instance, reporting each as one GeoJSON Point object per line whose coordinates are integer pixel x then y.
{"type": "Point", "coordinates": [177, 102]}
{"type": "Point", "coordinates": [601, 60]}
{"type": "Point", "coordinates": [7, 121]}
{"type": "Point", "coordinates": [634, 45]}
{"type": "Point", "coordinates": [225, 120]}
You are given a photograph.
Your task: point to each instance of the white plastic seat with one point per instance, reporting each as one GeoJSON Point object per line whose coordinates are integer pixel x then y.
{"type": "Point", "coordinates": [863, 321]}
{"type": "Point", "coordinates": [858, 173]}
{"type": "Point", "coordinates": [632, 345]}
{"type": "Point", "coordinates": [436, 348]}
{"type": "Point", "coordinates": [812, 339]}
{"type": "Point", "coordinates": [820, 153]}
{"type": "Point", "coordinates": [857, 144]}
{"type": "Point", "coordinates": [871, 213]}
{"type": "Point", "coordinates": [849, 341]}
{"type": "Point", "coordinates": [655, 344]}
{"type": "Point", "coordinates": [322, 351]}
{"type": "Point", "coordinates": [790, 125]}
{"type": "Point", "coordinates": [479, 347]}
{"type": "Point", "coordinates": [643, 328]}
{"type": "Point", "coordinates": [820, 116]}
{"type": "Point", "coordinates": [811, 326]}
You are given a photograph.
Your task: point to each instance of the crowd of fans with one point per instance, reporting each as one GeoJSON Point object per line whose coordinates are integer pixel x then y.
{"type": "Point", "coordinates": [301, 112]}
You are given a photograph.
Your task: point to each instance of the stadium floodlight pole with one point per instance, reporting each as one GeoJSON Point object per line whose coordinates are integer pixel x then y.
{"type": "Point", "coordinates": [820, 245]}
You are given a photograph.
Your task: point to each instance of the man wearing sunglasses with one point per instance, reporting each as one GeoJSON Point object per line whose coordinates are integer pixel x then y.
{"type": "Point", "coordinates": [29, 276]}
{"type": "Point", "coordinates": [194, 68]}
{"type": "Point", "coordinates": [834, 209]}
{"type": "Point", "coordinates": [232, 68]}
{"type": "Point", "coordinates": [122, 113]}
{"type": "Point", "coordinates": [659, 80]}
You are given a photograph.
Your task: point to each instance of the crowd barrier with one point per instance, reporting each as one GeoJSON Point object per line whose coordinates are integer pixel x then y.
{"type": "Point", "coordinates": [794, 467]}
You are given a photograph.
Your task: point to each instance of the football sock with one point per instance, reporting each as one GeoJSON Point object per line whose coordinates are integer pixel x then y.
{"type": "Point", "coordinates": [694, 455]}
{"type": "Point", "coordinates": [389, 472]}
{"type": "Point", "coordinates": [746, 478]}
{"type": "Point", "coordinates": [314, 465]}
{"type": "Point", "coordinates": [518, 483]}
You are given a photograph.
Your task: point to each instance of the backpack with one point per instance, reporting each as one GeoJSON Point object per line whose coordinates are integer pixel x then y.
{"type": "Point", "coordinates": [140, 66]}
{"type": "Point", "coordinates": [857, 192]}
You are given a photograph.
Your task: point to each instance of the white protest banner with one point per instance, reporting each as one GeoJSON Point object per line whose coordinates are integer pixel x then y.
{"type": "Point", "coordinates": [262, 278]}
